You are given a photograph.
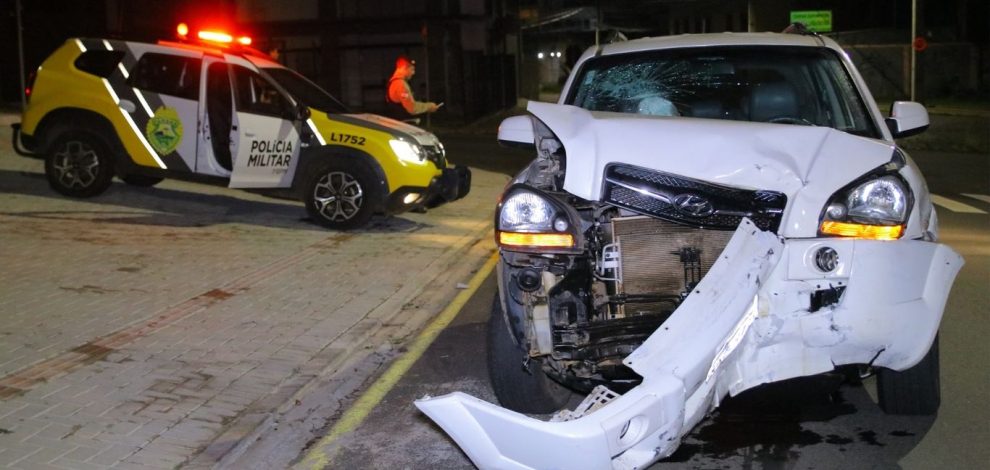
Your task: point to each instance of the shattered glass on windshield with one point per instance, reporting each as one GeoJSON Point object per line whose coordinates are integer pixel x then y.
{"type": "Point", "coordinates": [787, 85]}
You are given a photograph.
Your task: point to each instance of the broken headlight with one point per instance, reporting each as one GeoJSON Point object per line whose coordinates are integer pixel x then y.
{"type": "Point", "coordinates": [875, 207]}
{"type": "Point", "coordinates": [530, 220]}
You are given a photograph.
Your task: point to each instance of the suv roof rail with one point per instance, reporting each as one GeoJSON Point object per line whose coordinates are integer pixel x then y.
{"type": "Point", "coordinates": [802, 29]}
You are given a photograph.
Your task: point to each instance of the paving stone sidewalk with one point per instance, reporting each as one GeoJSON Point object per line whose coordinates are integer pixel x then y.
{"type": "Point", "coordinates": [139, 328]}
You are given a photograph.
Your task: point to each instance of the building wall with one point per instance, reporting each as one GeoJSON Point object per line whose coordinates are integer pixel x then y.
{"type": "Point", "coordinates": [349, 47]}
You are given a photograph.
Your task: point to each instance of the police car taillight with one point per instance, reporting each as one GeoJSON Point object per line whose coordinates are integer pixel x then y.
{"type": "Point", "coordinates": [29, 85]}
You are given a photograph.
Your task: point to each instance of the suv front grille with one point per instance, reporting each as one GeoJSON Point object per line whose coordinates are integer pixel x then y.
{"type": "Point", "coordinates": [690, 202]}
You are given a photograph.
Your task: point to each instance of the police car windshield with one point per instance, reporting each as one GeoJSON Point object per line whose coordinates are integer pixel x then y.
{"type": "Point", "coordinates": [306, 91]}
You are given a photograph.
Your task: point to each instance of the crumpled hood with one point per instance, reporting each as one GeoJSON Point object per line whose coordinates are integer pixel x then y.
{"type": "Point", "coordinates": [422, 136]}
{"type": "Point", "coordinates": [799, 161]}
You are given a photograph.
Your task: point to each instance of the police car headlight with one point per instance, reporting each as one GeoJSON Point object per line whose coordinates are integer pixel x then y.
{"type": "Point", "coordinates": [408, 152]}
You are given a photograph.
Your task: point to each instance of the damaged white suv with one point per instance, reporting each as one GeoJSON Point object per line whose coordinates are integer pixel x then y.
{"type": "Point", "coordinates": [706, 213]}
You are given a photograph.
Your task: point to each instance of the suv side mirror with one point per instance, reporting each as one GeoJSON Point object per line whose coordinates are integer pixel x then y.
{"type": "Point", "coordinates": [517, 131]}
{"type": "Point", "coordinates": [907, 118]}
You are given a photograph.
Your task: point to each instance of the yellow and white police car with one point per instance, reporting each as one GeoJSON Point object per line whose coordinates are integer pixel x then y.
{"type": "Point", "coordinates": [217, 111]}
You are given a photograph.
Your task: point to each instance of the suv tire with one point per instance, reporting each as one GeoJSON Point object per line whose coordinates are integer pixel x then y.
{"type": "Point", "coordinates": [519, 386]}
{"type": "Point", "coordinates": [914, 391]}
{"type": "Point", "coordinates": [78, 164]}
{"type": "Point", "coordinates": [340, 195]}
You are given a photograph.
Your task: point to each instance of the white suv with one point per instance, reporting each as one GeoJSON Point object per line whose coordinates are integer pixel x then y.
{"type": "Point", "coordinates": [705, 214]}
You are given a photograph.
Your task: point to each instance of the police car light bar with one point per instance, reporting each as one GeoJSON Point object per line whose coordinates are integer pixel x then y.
{"type": "Point", "coordinates": [212, 36]}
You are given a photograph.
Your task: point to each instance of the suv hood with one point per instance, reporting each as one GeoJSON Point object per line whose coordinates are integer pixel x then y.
{"type": "Point", "coordinates": [806, 163]}
{"type": "Point", "coordinates": [398, 128]}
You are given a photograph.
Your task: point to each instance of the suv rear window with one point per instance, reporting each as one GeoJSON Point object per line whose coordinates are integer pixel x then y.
{"type": "Point", "coordinates": [99, 63]}
{"type": "Point", "coordinates": [167, 74]}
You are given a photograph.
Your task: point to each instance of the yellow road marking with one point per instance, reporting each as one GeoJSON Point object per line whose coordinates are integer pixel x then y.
{"type": "Point", "coordinates": [317, 458]}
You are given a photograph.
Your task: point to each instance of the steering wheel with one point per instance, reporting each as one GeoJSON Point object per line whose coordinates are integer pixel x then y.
{"type": "Point", "coordinates": [790, 120]}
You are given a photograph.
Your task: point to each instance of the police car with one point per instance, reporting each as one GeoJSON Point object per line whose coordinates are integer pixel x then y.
{"type": "Point", "coordinates": [209, 108]}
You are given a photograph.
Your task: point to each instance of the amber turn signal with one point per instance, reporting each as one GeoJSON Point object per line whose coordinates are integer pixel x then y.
{"type": "Point", "coordinates": [872, 232]}
{"type": "Point", "coordinates": [540, 240]}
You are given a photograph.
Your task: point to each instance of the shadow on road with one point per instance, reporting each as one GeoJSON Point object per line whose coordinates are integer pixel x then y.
{"type": "Point", "coordinates": [175, 208]}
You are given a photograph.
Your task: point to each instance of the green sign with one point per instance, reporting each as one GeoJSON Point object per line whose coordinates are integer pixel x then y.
{"type": "Point", "coordinates": [816, 20]}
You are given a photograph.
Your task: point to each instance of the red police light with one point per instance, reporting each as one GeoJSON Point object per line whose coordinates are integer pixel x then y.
{"type": "Point", "coordinates": [215, 36]}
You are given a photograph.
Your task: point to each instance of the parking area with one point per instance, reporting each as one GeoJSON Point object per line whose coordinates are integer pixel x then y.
{"type": "Point", "coordinates": [167, 326]}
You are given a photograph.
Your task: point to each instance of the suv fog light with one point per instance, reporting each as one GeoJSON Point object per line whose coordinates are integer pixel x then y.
{"type": "Point", "coordinates": [826, 259]}
{"type": "Point", "coordinates": [410, 198]}
{"type": "Point", "coordinates": [560, 224]}
{"type": "Point", "coordinates": [529, 280]}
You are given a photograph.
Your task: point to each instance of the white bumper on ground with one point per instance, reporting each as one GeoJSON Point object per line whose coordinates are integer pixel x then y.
{"type": "Point", "coordinates": [747, 323]}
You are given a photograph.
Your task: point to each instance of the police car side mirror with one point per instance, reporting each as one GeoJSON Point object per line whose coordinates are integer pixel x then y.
{"type": "Point", "coordinates": [302, 112]}
{"type": "Point", "coordinates": [298, 113]}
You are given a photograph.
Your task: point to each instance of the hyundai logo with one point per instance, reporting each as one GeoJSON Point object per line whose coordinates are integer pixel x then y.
{"type": "Point", "coordinates": [694, 206]}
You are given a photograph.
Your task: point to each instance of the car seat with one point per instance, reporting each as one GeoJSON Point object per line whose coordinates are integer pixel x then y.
{"type": "Point", "coordinates": [773, 100]}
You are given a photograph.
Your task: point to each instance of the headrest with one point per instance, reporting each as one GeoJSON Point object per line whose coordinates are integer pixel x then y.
{"type": "Point", "coordinates": [773, 100]}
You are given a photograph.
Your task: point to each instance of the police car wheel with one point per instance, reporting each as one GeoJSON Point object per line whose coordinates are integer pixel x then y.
{"type": "Point", "coordinates": [79, 165]}
{"type": "Point", "coordinates": [341, 196]}
{"type": "Point", "coordinates": [141, 180]}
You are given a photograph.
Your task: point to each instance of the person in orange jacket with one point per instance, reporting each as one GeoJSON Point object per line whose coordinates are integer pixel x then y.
{"type": "Point", "coordinates": [400, 96]}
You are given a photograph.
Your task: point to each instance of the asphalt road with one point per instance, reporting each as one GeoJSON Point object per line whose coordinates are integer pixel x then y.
{"type": "Point", "coordinates": [816, 422]}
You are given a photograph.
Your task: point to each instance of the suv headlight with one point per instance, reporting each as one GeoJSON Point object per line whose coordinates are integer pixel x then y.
{"type": "Point", "coordinates": [529, 220]}
{"type": "Point", "coordinates": [408, 151]}
{"type": "Point", "coordinates": [876, 207]}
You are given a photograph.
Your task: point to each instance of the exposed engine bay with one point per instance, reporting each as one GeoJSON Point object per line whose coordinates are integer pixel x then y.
{"type": "Point", "coordinates": [646, 247]}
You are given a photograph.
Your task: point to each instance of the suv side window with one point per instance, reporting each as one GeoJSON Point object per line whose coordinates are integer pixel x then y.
{"type": "Point", "coordinates": [99, 63]}
{"type": "Point", "coordinates": [256, 95]}
{"type": "Point", "coordinates": [167, 74]}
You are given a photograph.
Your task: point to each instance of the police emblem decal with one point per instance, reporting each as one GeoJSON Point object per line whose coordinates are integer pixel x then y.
{"type": "Point", "coordinates": [164, 130]}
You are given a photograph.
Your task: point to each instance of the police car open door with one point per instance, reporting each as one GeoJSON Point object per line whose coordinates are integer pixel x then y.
{"type": "Point", "coordinates": [264, 135]}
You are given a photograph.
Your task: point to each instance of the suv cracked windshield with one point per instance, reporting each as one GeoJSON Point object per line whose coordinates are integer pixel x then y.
{"type": "Point", "coordinates": [793, 85]}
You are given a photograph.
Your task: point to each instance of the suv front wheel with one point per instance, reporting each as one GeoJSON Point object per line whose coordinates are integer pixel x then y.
{"type": "Point", "coordinates": [79, 165]}
{"type": "Point", "coordinates": [914, 391]}
{"type": "Point", "coordinates": [341, 196]}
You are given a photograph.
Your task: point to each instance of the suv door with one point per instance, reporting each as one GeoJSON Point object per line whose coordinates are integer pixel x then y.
{"type": "Point", "coordinates": [267, 143]}
{"type": "Point", "coordinates": [217, 138]}
{"type": "Point", "coordinates": [166, 84]}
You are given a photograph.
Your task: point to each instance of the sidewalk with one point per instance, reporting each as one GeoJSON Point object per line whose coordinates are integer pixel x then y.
{"type": "Point", "coordinates": [151, 328]}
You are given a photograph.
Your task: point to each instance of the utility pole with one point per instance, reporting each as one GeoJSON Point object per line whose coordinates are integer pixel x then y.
{"type": "Point", "coordinates": [914, 53]}
{"type": "Point", "coordinates": [598, 21]}
{"type": "Point", "coordinates": [20, 52]}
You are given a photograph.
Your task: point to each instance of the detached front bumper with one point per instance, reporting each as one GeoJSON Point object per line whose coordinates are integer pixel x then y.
{"type": "Point", "coordinates": [452, 184]}
{"type": "Point", "coordinates": [753, 319]}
